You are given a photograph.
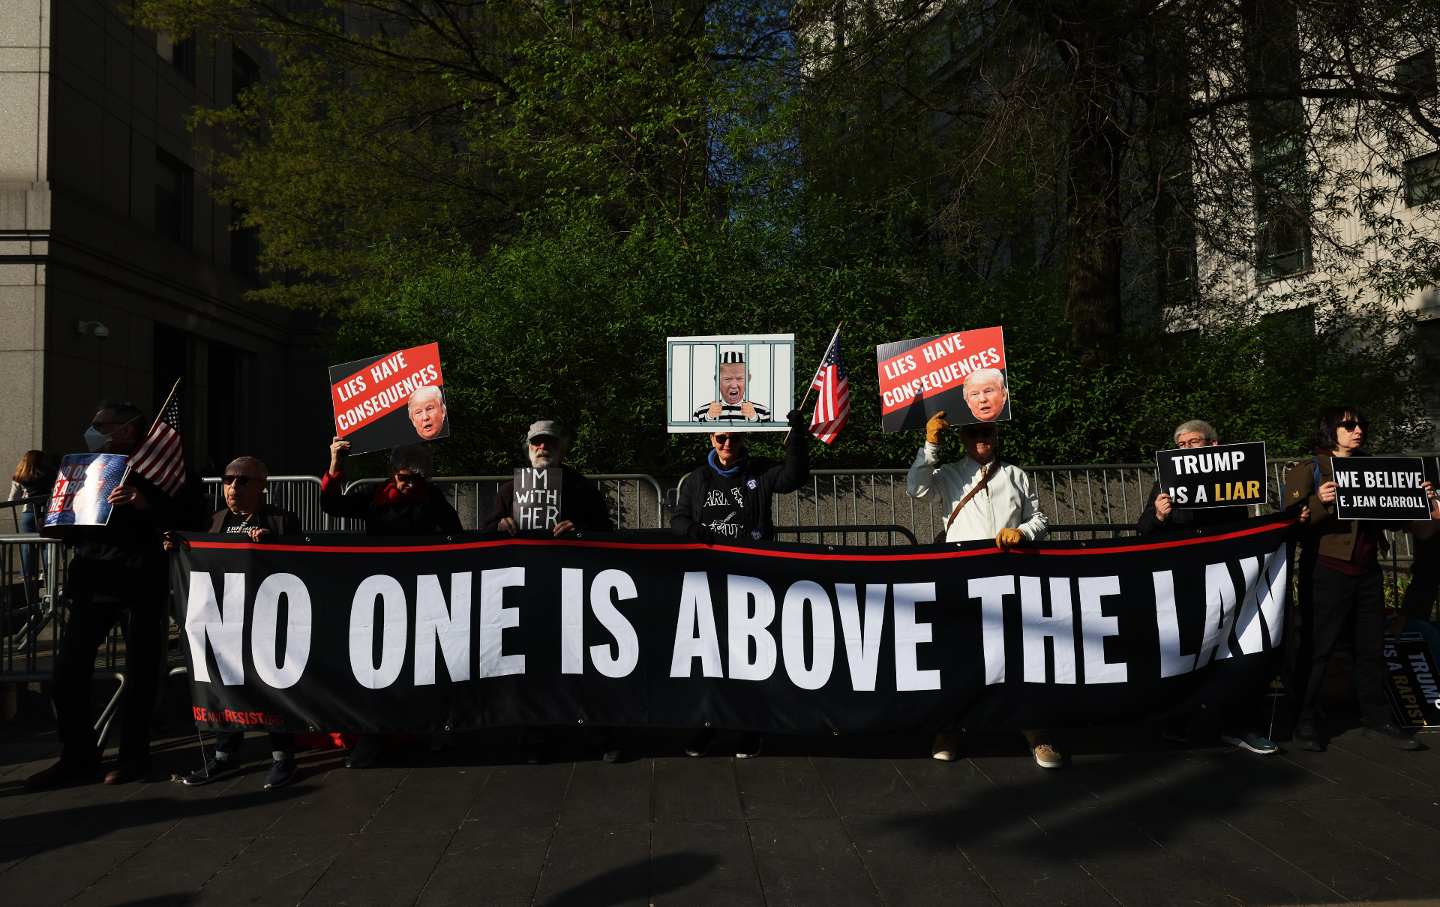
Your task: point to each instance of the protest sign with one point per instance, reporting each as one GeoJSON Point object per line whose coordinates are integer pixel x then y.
{"type": "Point", "coordinates": [536, 503]}
{"type": "Point", "coordinates": [740, 382]}
{"type": "Point", "coordinates": [375, 635]}
{"type": "Point", "coordinates": [81, 491]}
{"type": "Point", "coordinates": [387, 401]}
{"type": "Point", "coordinates": [1225, 475]}
{"type": "Point", "coordinates": [963, 374]}
{"type": "Point", "coordinates": [1414, 682]}
{"type": "Point", "coordinates": [1380, 488]}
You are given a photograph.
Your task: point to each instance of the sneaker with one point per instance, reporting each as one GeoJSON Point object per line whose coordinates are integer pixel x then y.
{"type": "Point", "coordinates": [365, 753]}
{"type": "Point", "coordinates": [1046, 756]}
{"type": "Point", "coordinates": [699, 744]}
{"type": "Point", "coordinates": [1256, 743]}
{"type": "Point", "coordinates": [1394, 735]}
{"type": "Point", "coordinates": [1307, 738]}
{"type": "Point", "coordinates": [282, 772]}
{"type": "Point", "coordinates": [611, 754]}
{"type": "Point", "coordinates": [64, 774]}
{"type": "Point", "coordinates": [749, 747]}
{"type": "Point", "coordinates": [214, 769]}
{"type": "Point", "coordinates": [945, 748]}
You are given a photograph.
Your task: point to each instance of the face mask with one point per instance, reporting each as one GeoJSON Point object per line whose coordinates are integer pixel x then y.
{"type": "Point", "coordinates": [95, 439]}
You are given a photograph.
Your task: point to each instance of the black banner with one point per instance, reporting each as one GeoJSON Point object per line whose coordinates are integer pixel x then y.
{"type": "Point", "coordinates": [369, 635]}
{"type": "Point", "coordinates": [537, 497]}
{"type": "Point", "coordinates": [1380, 488]}
{"type": "Point", "coordinates": [1225, 475]}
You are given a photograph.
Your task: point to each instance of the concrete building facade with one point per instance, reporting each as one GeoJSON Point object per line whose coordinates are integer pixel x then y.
{"type": "Point", "coordinates": [118, 271]}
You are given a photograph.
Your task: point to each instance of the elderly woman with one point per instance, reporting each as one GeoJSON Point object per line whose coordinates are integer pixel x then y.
{"type": "Point", "coordinates": [727, 501]}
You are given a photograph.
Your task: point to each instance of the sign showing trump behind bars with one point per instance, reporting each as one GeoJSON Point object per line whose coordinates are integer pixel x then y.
{"type": "Point", "coordinates": [742, 382]}
{"type": "Point", "coordinates": [390, 400]}
{"type": "Point", "coordinates": [962, 374]}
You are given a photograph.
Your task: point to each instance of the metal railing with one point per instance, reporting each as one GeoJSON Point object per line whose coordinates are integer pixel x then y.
{"type": "Point", "coordinates": [300, 494]}
{"type": "Point", "coordinates": [634, 499]}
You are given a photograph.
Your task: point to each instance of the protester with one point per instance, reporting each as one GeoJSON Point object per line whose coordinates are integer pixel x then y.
{"type": "Point", "coordinates": [1341, 586]}
{"type": "Point", "coordinates": [247, 512]}
{"type": "Point", "coordinates": [34, 477]}
{"type": "Point", "coordinates": [988, 498]}
{"type": "Point", "coordinates": [727, 501]}
{"type": "Point", "coordinates": [582, 506]}
{"type": "Point", "coordinates": [407, 504]}
{"type": "Point", "coordinates": [118, 574]}
{"type": "Point", "coordinates": [1237, 719]}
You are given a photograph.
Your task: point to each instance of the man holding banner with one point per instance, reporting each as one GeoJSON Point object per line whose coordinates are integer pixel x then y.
{"type": "Point", "coordinates": [1341, 585]}
{"type": "Point", "coordinates": [988, 497]}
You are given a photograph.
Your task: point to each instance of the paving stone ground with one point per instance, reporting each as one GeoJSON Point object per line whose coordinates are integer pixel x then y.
{"type": "Point", "coordinates": [1129, 821]}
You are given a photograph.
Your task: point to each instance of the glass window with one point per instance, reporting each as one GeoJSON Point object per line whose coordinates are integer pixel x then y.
{"type": "Point", "coordinates": [1422, 179]}
{"type": "Point", "coordinates": [174, 199]}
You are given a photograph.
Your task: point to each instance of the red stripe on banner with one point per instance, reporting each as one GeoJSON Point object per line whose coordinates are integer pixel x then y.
{"type": "Point", "coordinates": [732, 549]}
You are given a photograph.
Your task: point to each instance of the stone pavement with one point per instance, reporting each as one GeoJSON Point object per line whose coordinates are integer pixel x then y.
{"type": "Point", "coordinates": [810, 822]}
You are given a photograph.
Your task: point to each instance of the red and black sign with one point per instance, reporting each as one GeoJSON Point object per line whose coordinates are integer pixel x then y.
{"type": "Point", "coordinates": [390, 400]}
{"type": "Point", "coordinates": [963, 374]}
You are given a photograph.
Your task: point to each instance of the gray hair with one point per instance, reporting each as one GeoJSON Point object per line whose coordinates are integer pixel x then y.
{"type": "Point", "coordinates": [255, 464]}
{"type": "Point", "coordinates": [427, 391]}
{"type": "Point", "coordinates": [987, 374]}
{"type": "Point", "coordinates": [1206, 430]}
{"type": "Point", "coordinates": [415, 458]}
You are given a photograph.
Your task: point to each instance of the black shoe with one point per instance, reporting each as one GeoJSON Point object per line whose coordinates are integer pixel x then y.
{"type": "Point", "coordinates": [1394, 735]}
{"type": "Point", "coordinates": [1307, 738]}
{"type": "Point", "coordinates": [699, 745]}
{"type": "Point", "coordinates": [64, 774]}
{"type": "Point", "coordinates": [749, 746]}
{"type": "Point", "coordinates": [365, 753]}
{"type": "Point", "coordinates": [282, 772]}
{"type": "Point", "coordinates": [126, 771]}
{"type": "Point", "coordinates": [214, 769]}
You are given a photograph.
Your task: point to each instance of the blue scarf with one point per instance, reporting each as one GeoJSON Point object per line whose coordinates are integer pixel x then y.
{"type": "Point", "coordinates": [715, 465]}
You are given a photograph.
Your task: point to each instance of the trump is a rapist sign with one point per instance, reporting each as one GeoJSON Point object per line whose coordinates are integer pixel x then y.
{"type": "Point", "coordinates": [961, 373]}
{"type": "Point", "coordinates": [389, 400]}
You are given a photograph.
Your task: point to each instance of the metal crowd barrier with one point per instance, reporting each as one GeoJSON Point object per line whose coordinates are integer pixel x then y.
{"type": "Point", "coordinates": [635, 499]}
{"type": "Point", "coordinates": [300, 494]}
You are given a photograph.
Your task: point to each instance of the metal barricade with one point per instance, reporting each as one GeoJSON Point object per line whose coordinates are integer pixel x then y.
{"type": "Point", "coordinates": [31, 576]}
{"type": "Point", "coordinates": [300, 494]}
{"type": "Point", "coordinates": [634, 499]}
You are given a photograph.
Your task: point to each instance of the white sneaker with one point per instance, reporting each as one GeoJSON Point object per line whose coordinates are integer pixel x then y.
{"type": "Point", "coordinates": [1046, 756]}
{"type": "Point", "coordinates": [1256, 743]}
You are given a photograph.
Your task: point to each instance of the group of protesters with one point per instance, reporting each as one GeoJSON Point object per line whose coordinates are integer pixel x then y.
{"type": "Point", "coordinates": [118, 573]}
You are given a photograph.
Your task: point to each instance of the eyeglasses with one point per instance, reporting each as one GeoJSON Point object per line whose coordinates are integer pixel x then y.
{"type": "Point", "coordinates": [237, 481]}
{"type": "Point", "coordinates": [543, 441]}
{"type": "Point", "coordinates": [408, 478]}
{"type": "Point", "coordinates": [1352, 424]}
{"type": "Point", "coordinates": [722, 440]}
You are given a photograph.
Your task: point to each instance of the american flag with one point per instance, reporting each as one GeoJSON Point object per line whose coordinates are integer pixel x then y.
{"type": "Point", "coordinates": [161, 457]}
{"type": "Point", "coordinates": [832, 406]}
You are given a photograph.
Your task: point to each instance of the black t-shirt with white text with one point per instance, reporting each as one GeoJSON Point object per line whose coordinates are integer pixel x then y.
{"type": "Point", "coordinates": [723, 508]}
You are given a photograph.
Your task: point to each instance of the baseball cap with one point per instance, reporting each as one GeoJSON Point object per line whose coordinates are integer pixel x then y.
{"type": "Point", "coordinates": [548, 428]}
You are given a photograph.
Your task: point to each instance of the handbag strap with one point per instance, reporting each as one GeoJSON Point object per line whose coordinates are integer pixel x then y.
{"type": "Point", "coordinates": [985, 472]}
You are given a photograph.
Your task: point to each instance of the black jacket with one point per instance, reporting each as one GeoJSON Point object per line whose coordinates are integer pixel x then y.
{"type": "Point", "coordinates": [756, 481]}
{"type": "Point", "coordinates": [385, 512]}
{"type": "Point", "coordinates": [1186, 518]}
{"type": "Point", "coordinates": [278, 520]}
{"type": "Point", "coordinates": [580, 502]}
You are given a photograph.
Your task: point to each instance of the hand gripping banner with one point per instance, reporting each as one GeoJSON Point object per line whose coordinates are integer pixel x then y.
{"type": "Point", "coordinates": [368, 635]}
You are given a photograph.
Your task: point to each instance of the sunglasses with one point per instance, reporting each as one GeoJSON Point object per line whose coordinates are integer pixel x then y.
{"type": "Point", "coordinates": [722, 440]}
{"type": "Point", "coordinates": [237, 481]}
{"type": "Point", "coordinates": [1352, 424]}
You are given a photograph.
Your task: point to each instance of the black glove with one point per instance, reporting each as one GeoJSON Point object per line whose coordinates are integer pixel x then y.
{"type": "Point", "coordinates": [798, 421]}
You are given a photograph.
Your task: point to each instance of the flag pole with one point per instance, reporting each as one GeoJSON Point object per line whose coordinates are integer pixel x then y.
{"type": "Point", "coordinates": [159, 413]}
{"type": "Point", "coordinates": [811, 386]}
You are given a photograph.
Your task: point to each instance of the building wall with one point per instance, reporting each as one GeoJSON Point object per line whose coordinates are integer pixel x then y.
{"type": "Point", "coordinates": [84, 246]}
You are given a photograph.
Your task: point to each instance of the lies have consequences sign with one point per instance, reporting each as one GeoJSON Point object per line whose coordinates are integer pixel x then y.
{"type": "Point", "coordinates": [962, 373]}
{"type": "Point", "coordinates": [390, 400]}
{"type": "Point", "coordinates": [359, 634]}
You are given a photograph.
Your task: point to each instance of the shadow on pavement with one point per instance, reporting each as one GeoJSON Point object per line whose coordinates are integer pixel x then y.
{"type": "Point", "coordinates": [637, 881]}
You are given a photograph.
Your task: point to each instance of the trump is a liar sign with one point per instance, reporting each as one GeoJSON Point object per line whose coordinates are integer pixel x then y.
{"type": "Point", "coordinates": [1223, 475]}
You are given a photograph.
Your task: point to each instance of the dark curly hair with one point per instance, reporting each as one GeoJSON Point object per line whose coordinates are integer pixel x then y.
{"type": "Point", "coordinates": [1328, 421]}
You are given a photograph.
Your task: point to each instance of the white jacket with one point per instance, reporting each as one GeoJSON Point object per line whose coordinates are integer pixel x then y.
{"type": "Point", "coordinates": [1007, 502]}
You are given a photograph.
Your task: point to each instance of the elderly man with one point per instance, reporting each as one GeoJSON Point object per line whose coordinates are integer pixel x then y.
{"type": "Point", "coordinates": [582, 506]}
{"type": "Point", "coordinates": [118, 575]}
{"type": "Point", "coordinates": [988, 498]}
{"type": "Point", "coordinates": [733, 377]}
{"type": "Point", "coordinates": [247, 513]}
{"type": "Point", "coordinates": [427, 413]}
{"type": "Point", "coordinates": [1237, 721]}
{"type": "Point", "coordinates": [986, 395]}
{"type": "Point", "coordinates": [1160, 513]}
